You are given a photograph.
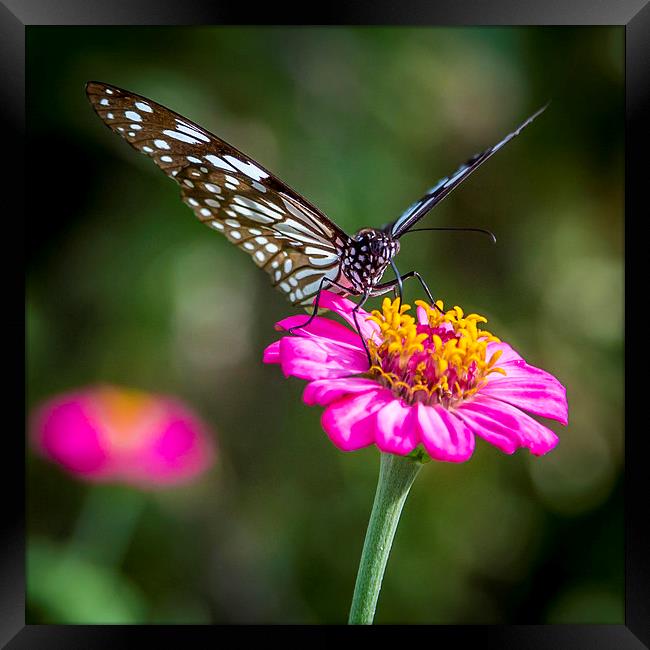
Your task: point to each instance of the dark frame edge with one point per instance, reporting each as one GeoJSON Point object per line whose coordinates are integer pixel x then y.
{"type": "Point", "coordinates": [637, 103]}
{"type": "Point", "coordinates": [634, 634]}
{"type": "Point", "coordinates": [12, 116]}
{"type": "Point", "coordinates": [491, 637]}
{"type": "Point", "coordinates": [380, 12]}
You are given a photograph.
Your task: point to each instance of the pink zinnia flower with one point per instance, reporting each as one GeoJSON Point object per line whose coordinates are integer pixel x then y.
{"type": "Point", "coordinates": [436, 381]}
{"type": "Point", "coordinates": [114, 434]}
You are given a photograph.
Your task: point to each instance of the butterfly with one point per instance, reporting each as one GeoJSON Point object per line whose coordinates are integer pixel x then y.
{"type": "Point", "coordinates": [301, 249]}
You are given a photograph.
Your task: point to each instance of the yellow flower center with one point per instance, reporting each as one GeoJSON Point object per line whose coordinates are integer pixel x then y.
{"type": "Point", "coordinates": [128, 418]}
{"type": "Point", "coordinates": [440, 361]}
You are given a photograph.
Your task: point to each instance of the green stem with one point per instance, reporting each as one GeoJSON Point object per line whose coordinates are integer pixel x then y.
{"type": "Point", "coordinates": [396, 475]}
{"type": "Point", "coordinates": [106, 523]}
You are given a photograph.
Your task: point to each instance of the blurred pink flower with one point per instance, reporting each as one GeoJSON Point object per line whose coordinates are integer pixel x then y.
{"type": "Point", "coordinates": [433, 381]}
{"type": "Point", "coordinates": [108, 433]}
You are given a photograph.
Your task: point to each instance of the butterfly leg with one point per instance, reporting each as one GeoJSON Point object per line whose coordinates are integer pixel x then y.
{"type": "Point", "coordinates": [355, 311]}
{"type": "Point", "coordinates": [415, 274]}
{"type": "Point", "coordinates": [400, 284]}
{"type": "Point", "coordinates": [332, 283]}
{"type": "Point", "coordinates": [392, 285]}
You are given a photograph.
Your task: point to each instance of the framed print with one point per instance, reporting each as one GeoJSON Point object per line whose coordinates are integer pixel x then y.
{"type": "Point", "coordinates": [326, 322]}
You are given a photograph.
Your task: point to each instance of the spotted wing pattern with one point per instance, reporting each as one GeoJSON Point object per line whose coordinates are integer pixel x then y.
{"type": "Point", "coordinates": [279, 233]}
{"type": "Point", "coordinates": [295, 243]}
{"type": "Point", "coordinates": [444, 186]}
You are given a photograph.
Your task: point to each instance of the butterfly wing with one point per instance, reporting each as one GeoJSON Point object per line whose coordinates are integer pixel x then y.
{"type": "Point", "coordinates": [444, 186]}
{"type": "Point", "coordinates": [279, 233]}
{"type": "Point", "coordinates": [295, 243]}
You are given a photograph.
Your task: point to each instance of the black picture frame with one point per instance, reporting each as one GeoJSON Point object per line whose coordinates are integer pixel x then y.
{"type": "Point", "coordinates": [634, 15]}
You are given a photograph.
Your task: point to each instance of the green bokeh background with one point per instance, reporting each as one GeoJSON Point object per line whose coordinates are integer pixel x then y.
{"type": "Point", "coordinates": [125, 286]}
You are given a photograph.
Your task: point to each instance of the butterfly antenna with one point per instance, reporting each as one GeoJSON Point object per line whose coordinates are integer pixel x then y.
{"type": "Point", "coordinates": [484, 231]}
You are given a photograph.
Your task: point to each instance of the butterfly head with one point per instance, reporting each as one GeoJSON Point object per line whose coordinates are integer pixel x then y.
{"type": "Point", "coordinates": [366, 257]}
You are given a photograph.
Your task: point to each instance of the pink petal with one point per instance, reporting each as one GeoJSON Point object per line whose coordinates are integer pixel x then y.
{"type": "Point", "coordinates": [538, 393]}
{"type": "Point", "coordinates": [445, 437]}
{"type": "Point", "coordinates": [322, 328]}
{"type": "Point", "coordinates": [350, 422]}
{"type": "Point", "coordinates": [508, 353]}
{"type": "Point", "coordinates": [319, 358]}
{"type": "Point", "coordinates": [272, 353]}
{"type": "Point", "coordinates": [326, 391]}
{"type": "Point", "coordinates": [396, 431]}
{"type": "Point", "coordinates": [181, 451]}
{"type": "Point", "coordinates": [343, 307]}
{"type": "Point", "coordinates": [521, 370]}
{"type": "Point", "coordinates": [526, 386]}
{"type": "Point", "coordinates": [65, 433]}
{"type": "Point", "coordinates": [505, 426]}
